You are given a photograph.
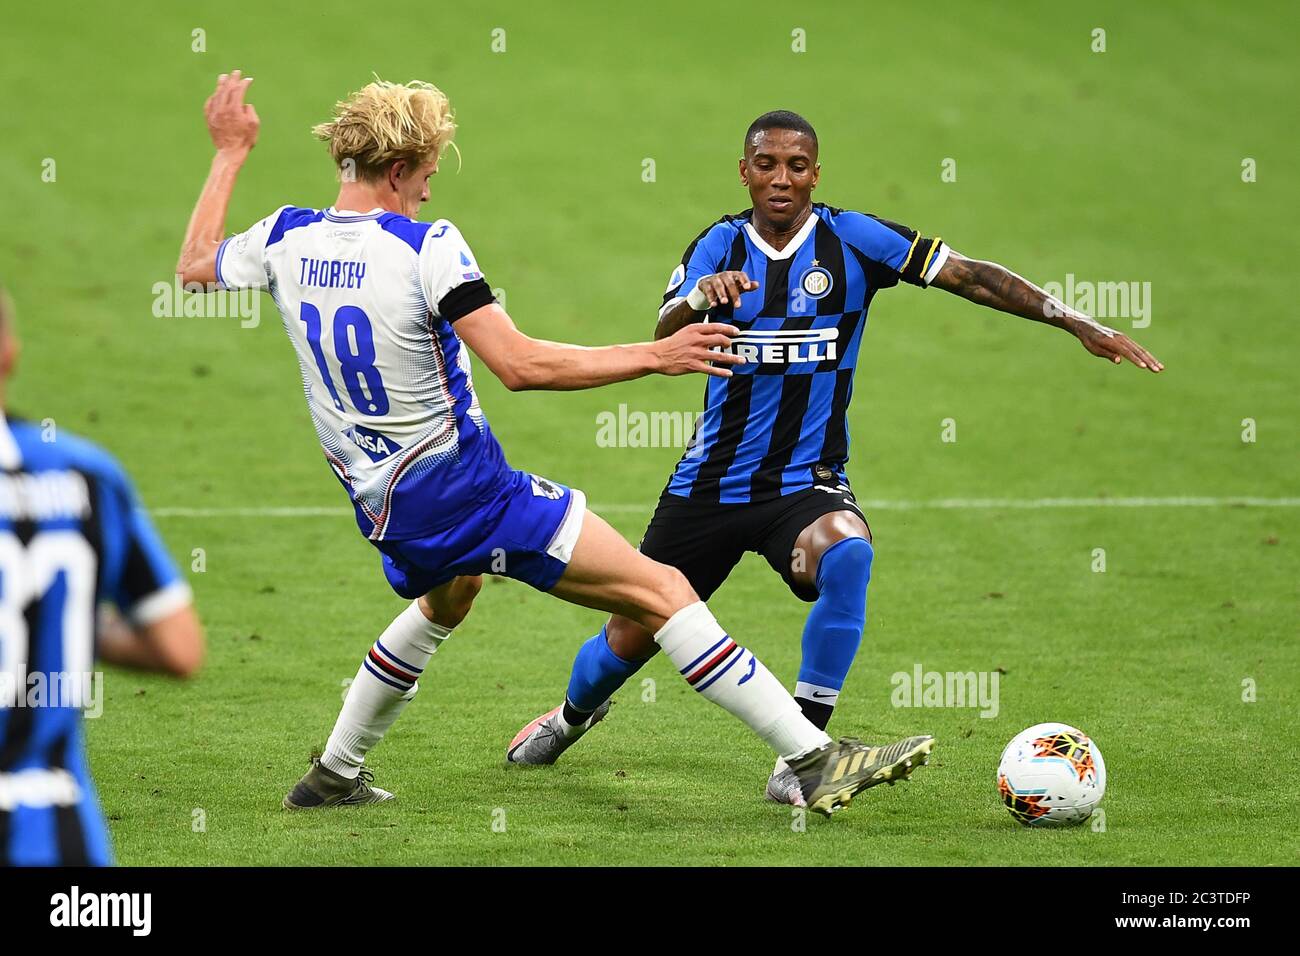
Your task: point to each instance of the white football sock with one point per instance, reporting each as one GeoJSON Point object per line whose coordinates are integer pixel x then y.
{"type": "Point", "coordinates": [570, 731]}
{"type": "Point", "coordinates": [733, 678]}
{"type": "Point", "coordinates": [385, 683]}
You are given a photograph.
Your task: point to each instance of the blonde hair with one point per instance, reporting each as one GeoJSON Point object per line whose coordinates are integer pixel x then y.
{"type": "Point", "coordinates": [384, 122]}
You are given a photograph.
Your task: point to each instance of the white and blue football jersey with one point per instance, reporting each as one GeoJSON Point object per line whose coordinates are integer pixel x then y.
{"type": "Point", "coordinates": [368, 301]}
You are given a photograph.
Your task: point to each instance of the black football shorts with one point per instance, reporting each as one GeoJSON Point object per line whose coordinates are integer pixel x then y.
{"type": "Point", "coordinates": [705, 540]}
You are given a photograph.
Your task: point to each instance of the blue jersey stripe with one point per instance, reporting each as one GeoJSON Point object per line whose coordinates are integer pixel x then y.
{"type": "Point", "coordinates": [731, 413]}
{"type": "Point", "coordinates": [795, 393]}
{"type": "Point", "coordinates": [292, 218]}
{"type": "Point", "coordinates": [835, 443]}
{"type": "Point", "coordinates": [812, 431]}
{"type": "Point", "coordinates": [33, 837]}
{"type": "Point", "coordinates": [706, 433]}
{"type": "Point", "coordinates": [408, 230]}
{"type": "Point", "coordinates": [764, 402]}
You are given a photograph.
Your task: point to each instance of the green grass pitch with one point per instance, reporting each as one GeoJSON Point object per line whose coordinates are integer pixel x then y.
{"type": "Point", "coordinates": [1122, 165]}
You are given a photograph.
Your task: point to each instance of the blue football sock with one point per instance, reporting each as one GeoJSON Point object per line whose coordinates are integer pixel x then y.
{"type": "Point", "coordinates": [597, 673]}
{"type": "Point", "coordinates": [833, 632]}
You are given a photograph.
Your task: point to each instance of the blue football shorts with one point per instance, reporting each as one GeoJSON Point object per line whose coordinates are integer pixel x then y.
{"type": "Point", "coordinates": [527, 532]}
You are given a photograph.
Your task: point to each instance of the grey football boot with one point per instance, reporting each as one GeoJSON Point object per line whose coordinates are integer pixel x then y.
{"type": "Point", "coordinates": [541, 741]}
{"type": "Point", "coordinates": [784, 787]}
{"type": "Point", "coordinates": [320, 788]}
{"type": "Point", "coordinates": [832, 775]}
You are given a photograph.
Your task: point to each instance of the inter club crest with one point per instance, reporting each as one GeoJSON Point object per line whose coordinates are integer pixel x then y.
{"type": "Point", "coordinates": [816, 282]}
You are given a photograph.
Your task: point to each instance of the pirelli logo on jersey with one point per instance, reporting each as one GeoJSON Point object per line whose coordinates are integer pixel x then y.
{"type": "Point", "coordinates": [787, 346]}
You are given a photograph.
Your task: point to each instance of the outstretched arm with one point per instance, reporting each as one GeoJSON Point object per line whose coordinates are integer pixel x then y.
{"type": "Point", "coordinates": [987, 283]}
{"type": "Point", "coordinates": [523, 362]}
{"type": "Point", "coordinates": [233, 125]}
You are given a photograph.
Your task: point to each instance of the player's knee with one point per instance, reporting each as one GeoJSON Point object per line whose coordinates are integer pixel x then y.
{"type": "Point", "coordinates": [461, 596]}
{"type": "Point", "coordinates": [466, 589]}
{"type": "Point", "coordinates": [844, 570]}
{"type": "Point", "coordinates": [675, 591]}
{"type": "Point", "coordinates": [451, 603]}
{"type": "Point", "coordinates": [660, 593]}
{"type": "Point", "coordinates": [629, 640]}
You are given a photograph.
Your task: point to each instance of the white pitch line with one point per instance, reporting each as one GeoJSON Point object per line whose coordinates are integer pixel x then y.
{"type": "Point", "coordinates": [285, 512]}
{"type": "Point", "coordinates": [935, 504]}
{"type": "Point", "coordinates": [963, 504]}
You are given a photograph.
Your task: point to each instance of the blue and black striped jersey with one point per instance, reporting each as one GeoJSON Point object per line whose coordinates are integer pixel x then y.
{"type": "Point", "coordinates": [778, 425]}
{"type": "Point", "coordinates": [71, 537]}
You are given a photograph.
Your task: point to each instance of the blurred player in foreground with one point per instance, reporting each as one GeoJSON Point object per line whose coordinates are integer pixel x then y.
{"type": "Point", "coordinates": [765, 470]}
{"type": "Point", "coordinates": [72, 537]}
{"type": "Point", "coordinates": [379, 308]}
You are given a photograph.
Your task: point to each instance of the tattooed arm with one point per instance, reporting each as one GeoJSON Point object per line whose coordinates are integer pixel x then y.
{"type": "Point", "coordinates": [987, 283]}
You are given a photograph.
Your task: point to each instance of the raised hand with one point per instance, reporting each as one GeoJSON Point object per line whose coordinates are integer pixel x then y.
{"type": "Point", "coordinates": [725, 287]}
{"type": "Point", "coordinates": [232, 123]}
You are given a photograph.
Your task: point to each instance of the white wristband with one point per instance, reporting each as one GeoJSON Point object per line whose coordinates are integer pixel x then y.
{"type": "Point", "coordinates": [698, 300]}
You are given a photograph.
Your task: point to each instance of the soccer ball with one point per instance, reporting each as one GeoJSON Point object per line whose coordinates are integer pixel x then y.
{"type": "Point", "coordinates": [1051, 775]}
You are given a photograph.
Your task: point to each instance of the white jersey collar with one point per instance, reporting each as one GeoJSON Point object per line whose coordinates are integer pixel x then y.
{"type": "Point", "coordinates": [349, 215]}
{"type": "Point", "coordinates": [791, 247]}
